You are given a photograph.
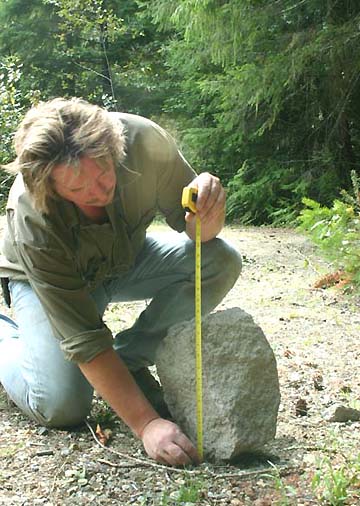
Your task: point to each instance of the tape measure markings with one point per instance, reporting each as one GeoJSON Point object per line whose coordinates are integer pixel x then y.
{"type": "Point", "coordinates": [188, 201]}
{"type": "Point", "coordinates": [198, 339]}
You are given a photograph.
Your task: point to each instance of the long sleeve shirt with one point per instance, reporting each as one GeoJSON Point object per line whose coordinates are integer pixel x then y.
{"type": "Point", "coordinates": [64, 256]}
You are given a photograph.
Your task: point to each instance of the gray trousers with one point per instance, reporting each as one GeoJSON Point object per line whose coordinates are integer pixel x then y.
{"type": "Point", "coordinates": [51, 390]}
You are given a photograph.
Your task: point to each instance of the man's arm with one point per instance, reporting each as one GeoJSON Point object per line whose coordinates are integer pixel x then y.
{"type": "Point", "coordinates": [210, 206]}
{"type": "Point", "coordinates": [162, 439]}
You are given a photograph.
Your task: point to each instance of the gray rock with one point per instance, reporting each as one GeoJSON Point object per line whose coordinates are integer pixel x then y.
{"type": "Point", "coordinates": [340, 413]}
{"type": "Point", "coordinates": [240, 383]}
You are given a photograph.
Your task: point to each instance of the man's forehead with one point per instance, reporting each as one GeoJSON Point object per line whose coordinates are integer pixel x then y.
{"type": "Point", "coordinates": [67, 173]}
{"type": "Point", "coordinates": [84, 171]}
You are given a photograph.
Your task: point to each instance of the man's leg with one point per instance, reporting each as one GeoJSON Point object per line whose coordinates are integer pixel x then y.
{"type": "Point", "coordinates": [164, 272]}
{"type": "Point", "coordinates": [33, 370]}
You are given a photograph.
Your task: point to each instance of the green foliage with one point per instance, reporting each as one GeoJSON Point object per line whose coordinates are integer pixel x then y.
{"type": "Point", "coordinates": [266, 95]}
{"type": "Point", "coordinates": [188, 493]}
{"type": "Point", "coordinates": [85, 31]}
{"type": "Point", "coordinates": [287, 492]}
{"type": "Point", "coordinates": [101, 50]}
{"type": "Point", "coordinates": [13, 103]}
{"type": "Point", "coordinates": [336, 229]}
{"type": "Point", "coordinates": [10, 105]}
{"type": "Point", "coordinates": [270, 84]}
{"type": "Point", "coordinates": [113, 49]}
{"type": "Point", "coordinates": [28, 32]}
{"type": "Point", "coordinates": [268, 194]}
{"type": "Point", "coordinates": [11, 110]}
{"type": "Point", "coordinates": [333, 485]}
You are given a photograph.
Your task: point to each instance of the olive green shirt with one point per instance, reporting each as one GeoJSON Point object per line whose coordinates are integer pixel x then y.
{"type": "Point", "coordinates": [64, 256]}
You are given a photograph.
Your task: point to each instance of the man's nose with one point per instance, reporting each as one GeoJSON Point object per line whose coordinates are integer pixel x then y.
{"type": "Point", "coordinates": [96, 187]}
{"type": "Point", "coordinates": [103, 187]}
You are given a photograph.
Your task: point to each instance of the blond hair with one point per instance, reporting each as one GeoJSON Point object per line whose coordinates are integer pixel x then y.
{"type": "Point", "coordinates": [61, 132]}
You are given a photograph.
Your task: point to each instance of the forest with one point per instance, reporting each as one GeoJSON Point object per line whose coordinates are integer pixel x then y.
{"type": "Point", "coordinates": [265, 94]}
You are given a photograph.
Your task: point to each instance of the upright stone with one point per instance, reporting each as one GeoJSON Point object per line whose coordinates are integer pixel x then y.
{"type": "Point", "coordinates": [240, 383]}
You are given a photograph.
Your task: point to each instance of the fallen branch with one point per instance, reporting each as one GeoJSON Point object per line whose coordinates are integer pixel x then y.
{"type": "Point", "coordinates": [250, 474]}
{"type": "Point", "coordinates": [113, 464]}
{"type": "Point", "coordinates": [307, 260]}
{"type": "Point", "coordinates": [137, 462]}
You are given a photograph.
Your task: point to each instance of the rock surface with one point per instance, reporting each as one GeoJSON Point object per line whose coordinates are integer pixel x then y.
{"type": "Point", "coordinates": [340, 413]}
{"type": "Point", "coordinates": [240, 383]}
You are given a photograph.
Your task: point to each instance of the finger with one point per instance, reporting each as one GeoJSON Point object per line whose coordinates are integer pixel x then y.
{"type": "Point", "coordinates": [204, 183]}
{"type": "Point", "coordinates": [208, 188]}
{"type": "Point", "coordinates": [175, 455]}
{"type": "Point", "coordinates": [187, 446]}
{"type": "Point", "coordinates": [217, 208]}
{"type": "Point", "coordinates": [213, 190]}
{"type": "Point", "coordinates": [189, 217]}
{"type": "Point", "coordinates": [161, 460]}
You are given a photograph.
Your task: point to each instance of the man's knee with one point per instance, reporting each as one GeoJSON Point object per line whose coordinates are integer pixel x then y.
{"type": "Point", "coordinates": [60, 410]}
{"type": "Point", "coordinates": [224, 259]}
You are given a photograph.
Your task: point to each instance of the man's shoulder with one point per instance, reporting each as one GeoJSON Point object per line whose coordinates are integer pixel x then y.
{"type": "Point", "coordinates": [144, 133]}
{"type": "Point", "coordinates": [135, 121]}
{"type": "Point", "coordinates": [16, 191]}
{"type": "Point", "coordinates": [21, 210]}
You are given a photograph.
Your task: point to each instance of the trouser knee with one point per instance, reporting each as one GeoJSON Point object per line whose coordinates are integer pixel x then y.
{"type": "Point", "coordinates": [223, 261]}
{"type": "Point", "coordinates": [60, 412]}
{"type": "Point", "coordinates": [221, 266]}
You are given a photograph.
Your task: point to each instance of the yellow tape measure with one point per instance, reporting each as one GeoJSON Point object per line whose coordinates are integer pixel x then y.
{"type": "Point", "coordinates": [188, 201]}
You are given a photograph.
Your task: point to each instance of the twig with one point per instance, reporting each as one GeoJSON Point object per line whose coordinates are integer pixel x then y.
{"type": "Point", "coordinates": [142, 462]}
{"type": "Point", "coordinates": [92, 70]}
{"type": "Point", "coordinates": [57, 474]}
{"type": "Point", "coordinates": [248, 474]}
{"type": "Point", "coordinates": [307, 259]}
{"type": "Point", "coordinates": [113, 464]}
{"type": "Point", "coordinates": [103, 43]}
{"type": "Point", "coordinates": [43, 453]}
{"type": "Point", "coordinates": [309, 448]}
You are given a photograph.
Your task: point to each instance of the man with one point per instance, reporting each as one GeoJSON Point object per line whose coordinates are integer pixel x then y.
{"type": "Point", "coordinates": [89, 184]}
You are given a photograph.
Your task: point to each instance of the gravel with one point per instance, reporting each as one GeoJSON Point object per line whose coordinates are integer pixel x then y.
{"type": "Point", "coordinates": [314, 334]}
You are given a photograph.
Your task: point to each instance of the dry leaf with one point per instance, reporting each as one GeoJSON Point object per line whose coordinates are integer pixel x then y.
{"type": "Point", "coordinates": [103, 435]}
{"type": "Point", "coordinates": [338, 278]}
{"type": "Point", "coordinates": [288, 353]}
{"type": "Point", "coordinates": [318, 381]}
{"type": "Point", "coordinates": [301, 408]}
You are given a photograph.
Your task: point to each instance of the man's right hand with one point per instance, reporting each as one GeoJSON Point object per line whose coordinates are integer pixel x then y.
{"type": "Point", "coordinates": [163, 440]}
{"type": "Point", "coordinates": [165, 443]}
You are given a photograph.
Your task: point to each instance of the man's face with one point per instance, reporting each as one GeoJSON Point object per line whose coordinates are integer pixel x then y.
{"type": "Point", "coordinates": [92, 184]}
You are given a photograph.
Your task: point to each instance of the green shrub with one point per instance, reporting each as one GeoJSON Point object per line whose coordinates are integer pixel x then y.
{"type": "Point", "coordinates": [336, 229]}
{"type": "Point", "coordinates": [10, 113]}
{"type": "Point", "coordinates": [264, 195]}
{"type": "Point", "coordinates": [334, 485]}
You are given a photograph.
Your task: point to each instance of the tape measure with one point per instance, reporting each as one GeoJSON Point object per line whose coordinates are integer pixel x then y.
{"type": "Point", "coordinates": [188, 202]}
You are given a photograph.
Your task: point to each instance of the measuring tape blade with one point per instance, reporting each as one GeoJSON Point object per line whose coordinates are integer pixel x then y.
{"type": "Point", "coordinates": [188, 201]}
{"type": "Point", "coordinates": [198, 337]}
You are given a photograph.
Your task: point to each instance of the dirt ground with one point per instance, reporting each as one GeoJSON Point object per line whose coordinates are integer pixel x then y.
{"type": "Point", "coordinates": [314, 334]}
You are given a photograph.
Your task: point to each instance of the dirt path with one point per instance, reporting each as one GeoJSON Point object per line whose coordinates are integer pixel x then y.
{"type": "Point", "coordinates": [314, 334]}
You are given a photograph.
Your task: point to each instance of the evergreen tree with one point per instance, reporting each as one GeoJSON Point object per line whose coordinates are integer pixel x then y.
{"type": "Point", "coordinates": [278, 96]}
{"type": "Point", "coordinates": [101, 50]}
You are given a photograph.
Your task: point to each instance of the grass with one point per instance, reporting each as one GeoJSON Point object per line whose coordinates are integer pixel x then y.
{"type": "Point", "coordinates": [189, 493]}
{"type": "Point", "coordinates": [103, 414]}
{"type": "Point", "coordinates": [287, 493]}
{"type": "Point", "coordinates": [10, 450]}
{"type": "Point", "coordinates": [333, 484]}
